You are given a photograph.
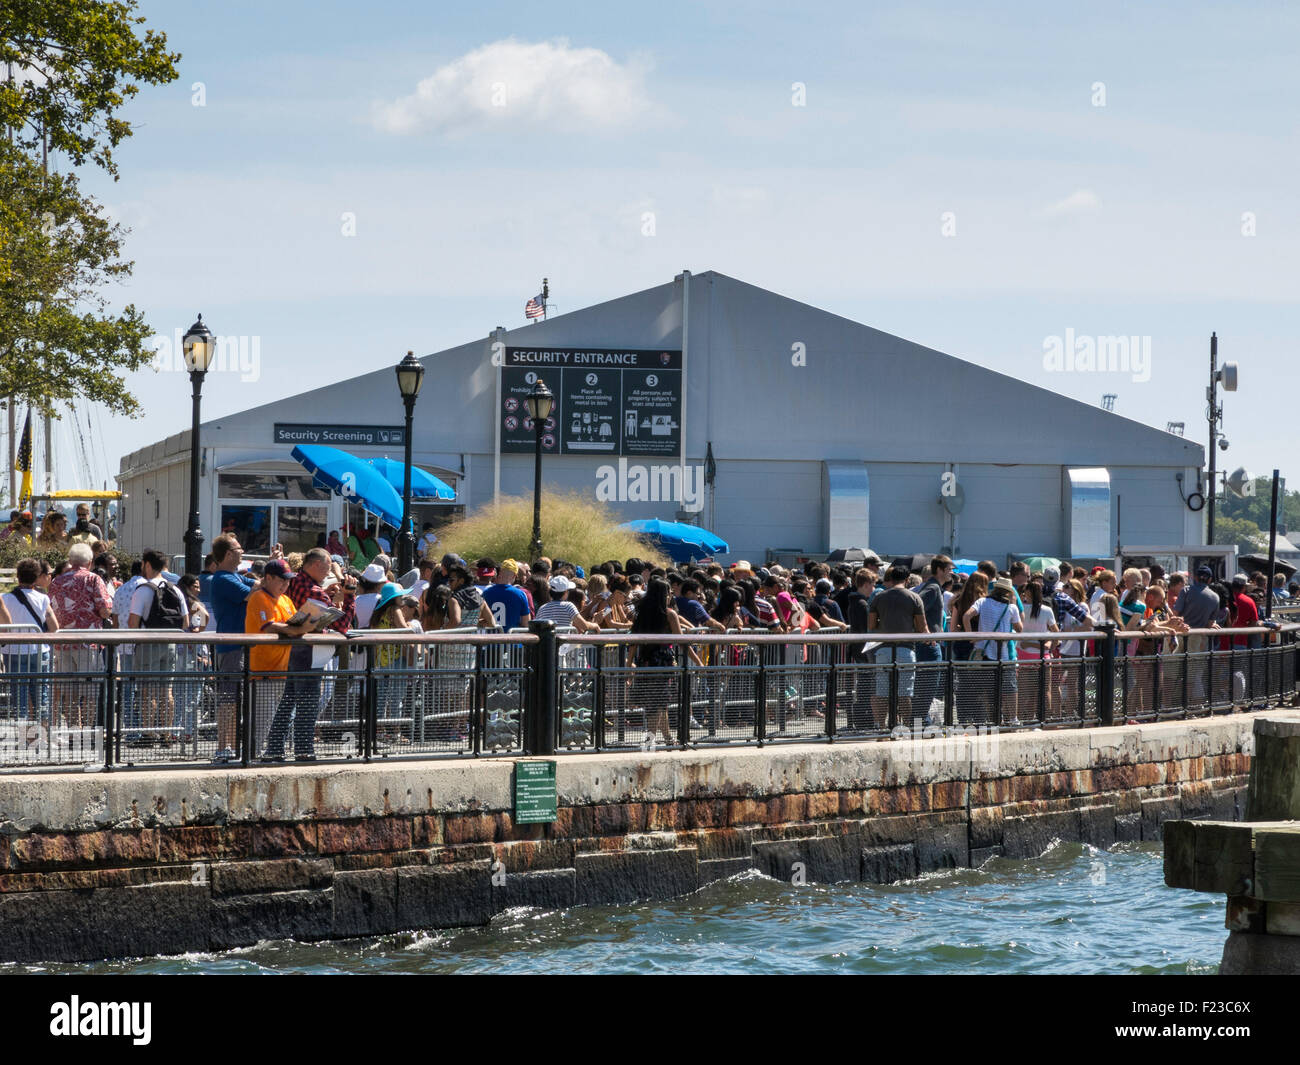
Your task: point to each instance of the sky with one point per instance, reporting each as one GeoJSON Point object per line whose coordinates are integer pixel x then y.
{"type": "Point", "coordinates": [335, 185]}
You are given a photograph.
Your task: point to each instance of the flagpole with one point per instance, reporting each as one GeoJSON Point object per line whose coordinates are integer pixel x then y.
{"type": "Point", "coordinates": [13, 457]}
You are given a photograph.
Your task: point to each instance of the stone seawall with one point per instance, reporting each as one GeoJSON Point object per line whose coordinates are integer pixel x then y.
{"type": "Point", "coordinates": [134, 863]}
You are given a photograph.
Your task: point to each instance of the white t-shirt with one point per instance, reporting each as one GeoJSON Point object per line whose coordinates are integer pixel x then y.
{"type": "Point", "coordinates": [142, 598]}
{"type": "Point", "coordinates": [993, 616]}
{"type": "Point", "coordinates": [19, 615]}
{"type": "Point", "coordinates": [365, 608]}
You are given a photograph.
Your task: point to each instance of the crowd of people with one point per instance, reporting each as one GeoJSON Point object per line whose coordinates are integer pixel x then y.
{"type": "Point", "coordinates": [1061, 609]}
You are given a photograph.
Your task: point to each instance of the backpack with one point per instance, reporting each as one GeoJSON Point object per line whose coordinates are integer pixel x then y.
{"type": "Point", "coordinates": [169, 609]}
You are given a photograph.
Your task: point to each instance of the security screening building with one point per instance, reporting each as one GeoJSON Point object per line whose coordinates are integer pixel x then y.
{"type": "Point", "coordinates": [771, 422]}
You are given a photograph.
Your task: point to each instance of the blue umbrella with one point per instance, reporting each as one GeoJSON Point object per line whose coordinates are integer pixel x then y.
{"type": "Point", "coordinates": [964, 565]}
{"type": "Point", "coordinates": [353, 478]}
{"type": "Point", "coordinates": [682, 542]}
{"type": "Point", "coordinates": [423, 485]}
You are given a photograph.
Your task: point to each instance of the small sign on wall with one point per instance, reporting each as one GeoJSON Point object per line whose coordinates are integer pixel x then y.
{"type": "Point", "coordinates": [535, 797]}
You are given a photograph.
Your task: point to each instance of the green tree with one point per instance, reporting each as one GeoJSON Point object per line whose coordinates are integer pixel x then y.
{"type": "Point", "coordinates": [59, 253]}
{"type": "Point", "coordinates": [1240, 531]}
{"type": "Point", "coordinates": [73, 64]}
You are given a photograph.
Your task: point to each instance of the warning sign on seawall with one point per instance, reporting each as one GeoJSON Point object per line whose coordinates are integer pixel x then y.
{"type": "Point", "coordinates": [608, 401]}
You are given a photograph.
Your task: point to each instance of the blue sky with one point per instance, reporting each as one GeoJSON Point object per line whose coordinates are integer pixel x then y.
{"type": "Point", "coordinates": [1123, 219]}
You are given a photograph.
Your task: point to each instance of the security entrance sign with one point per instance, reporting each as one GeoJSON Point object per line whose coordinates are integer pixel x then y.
{"type": "Point", "coordinates": [615, 401]}
{"type": "Point", "coordinates": [535, 795]}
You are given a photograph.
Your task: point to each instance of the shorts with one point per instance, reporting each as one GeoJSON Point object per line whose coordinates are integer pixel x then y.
{"type": "Point", "coordinates": [155, 658]}
{"type": "Point", "coordinates": [906, 673]}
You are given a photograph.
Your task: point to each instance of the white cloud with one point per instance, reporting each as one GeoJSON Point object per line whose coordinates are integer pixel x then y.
{"type": "Point", "coordinates": [513, 81]}
{"type": "Point", "coordinates": [1079, 202]}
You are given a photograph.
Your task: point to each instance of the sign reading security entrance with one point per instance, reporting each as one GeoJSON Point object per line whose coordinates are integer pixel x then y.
{"type": "Point", "coordinates": [366, 435]}
{"type": "Point", "coordinates": [535, 795]}
{"type": "Point", "coordinates": [615, 401]}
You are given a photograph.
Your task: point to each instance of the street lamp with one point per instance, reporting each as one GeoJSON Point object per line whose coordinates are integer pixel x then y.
{"type": "Point", "coordinates": [199, 346]}
{"type": "Point", "coordinates": [1225, 375]}
{"type": "Point", "coordinates": [410, 375]}
{"type": "Point", "coordinates": [540, 404]}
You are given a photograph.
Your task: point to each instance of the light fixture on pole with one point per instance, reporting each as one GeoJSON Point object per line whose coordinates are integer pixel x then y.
{"type": "Point", "coordinates": [540, 403]}
{"type": "Point", "coordinates": [199, 346]}
{"type": "Point", "coordinates": [410, 375]}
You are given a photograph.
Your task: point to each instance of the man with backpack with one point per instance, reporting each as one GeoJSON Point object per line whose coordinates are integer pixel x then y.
{"type": "Point", "coordinates": [157, 604]}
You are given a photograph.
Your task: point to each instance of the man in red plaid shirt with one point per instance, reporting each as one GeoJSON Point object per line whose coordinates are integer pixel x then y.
{"type": "Point", "coordinates": [301, 700]}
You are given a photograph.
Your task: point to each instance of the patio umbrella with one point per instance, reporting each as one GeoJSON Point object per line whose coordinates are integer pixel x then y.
{"type": "Point", "coordinates": [680, 541]}
{"type": "Point", "coordinates": [964, 565]}
{"type": "Point", "coordinates": [850, 556]}
{"type": "Point", "coordinates": [914, 563]}
{"type": "Point", "coordinates": [351, 477]}
{"type": "Point", "coordinates": [1038, 563]}
{"type": "Point", "coordinates": [424, 485]}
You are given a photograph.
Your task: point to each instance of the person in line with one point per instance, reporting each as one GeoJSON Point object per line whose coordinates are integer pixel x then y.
{"type": "Point", "coordinates": [81, 601]}
{"type": "Point", "coordinates": [26, 664]}
{"type": "Point", "coordinates": [157, 604]}
{"type": "Point", "coordinates": [997, 612]}
{"type": "Point", "coordinates": [54, 530]}
{"type": "Point", "coordinates": [652, 681]}
{"type": "Point", "coordinates": [506, 602]}
{"type": "Point", "coordinates": [230, 592]}
{"type": "Point", "coordinates": [1037, 618]}
{"type": "Point", "coordinates": [895, 609]}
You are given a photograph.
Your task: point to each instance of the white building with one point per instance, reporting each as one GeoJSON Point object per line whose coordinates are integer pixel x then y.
{"type": "Point", "coordinates": [824, 433]}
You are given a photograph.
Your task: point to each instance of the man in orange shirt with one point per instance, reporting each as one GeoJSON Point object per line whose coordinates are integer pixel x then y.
{"type": "Point", "coordinates": [268, 611]}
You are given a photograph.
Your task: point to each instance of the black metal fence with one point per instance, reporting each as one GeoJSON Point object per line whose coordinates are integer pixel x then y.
{"type": "Point", "coordinates": [102, 700]}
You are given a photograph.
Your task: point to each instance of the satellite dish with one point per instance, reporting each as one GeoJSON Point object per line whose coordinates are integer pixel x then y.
{"type": "Point", "coordinates": [954, 501]}
{"type": "Point", "coordinates": [1236, 481]}
{"type": "Point", "coordinates": [1229, 376]}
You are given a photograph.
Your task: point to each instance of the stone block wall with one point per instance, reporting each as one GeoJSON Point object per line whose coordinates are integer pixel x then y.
{"type": "Point", "coordinates": [134, 863]}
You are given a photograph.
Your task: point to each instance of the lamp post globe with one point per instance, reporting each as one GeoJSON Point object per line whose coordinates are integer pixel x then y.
{"type": "Point", "coordinates": [410, 376]}
{"type": "Point", "coordinates": [199, 346]}
{"type": "Point", "coordinates": [540, 403]}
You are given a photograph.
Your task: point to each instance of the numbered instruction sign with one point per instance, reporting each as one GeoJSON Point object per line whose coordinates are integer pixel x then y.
{"type": "Point", "coordinates": [535, 799]}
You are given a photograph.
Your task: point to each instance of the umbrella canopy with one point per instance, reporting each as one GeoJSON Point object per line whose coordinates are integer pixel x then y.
{"type": "Point", "coordinates": [682, 542]}
{"type": "Point", "coordinates": [1038, 563]}
{"type": "Point", "coordinates": [424, 485]}
{"type": "Point", "coordinates": [914, 563]}
{"type": "Point", "coordinates": [1261, 562]}
{"type": "Point", "coordinates": [353, 478]}
{"type": "Point", "coordinates": [850, 556]}
{"type": "Point", "coordinates": [964, 565]}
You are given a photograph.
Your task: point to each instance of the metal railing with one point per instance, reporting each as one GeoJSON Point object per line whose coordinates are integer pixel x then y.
{"type": "Point", "coordinates": [103, 699]}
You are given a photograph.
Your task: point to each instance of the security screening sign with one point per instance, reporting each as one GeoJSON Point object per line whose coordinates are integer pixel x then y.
{"type": "Point", "coordinates": [615, 401]}
{"type": "Point", "coordinates": [535, 796]}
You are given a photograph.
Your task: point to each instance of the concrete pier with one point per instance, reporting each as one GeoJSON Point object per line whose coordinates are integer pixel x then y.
{"type": "Point", "coordinates": [132, 863]}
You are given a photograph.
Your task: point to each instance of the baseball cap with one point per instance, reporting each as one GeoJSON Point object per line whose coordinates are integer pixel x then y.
{"type": "Point", "coordinates": [1204, 572]}
{"type": "Point", "coordinates": [485, 567]}
{"type": "Point", "coordinates": [373, 573]}
{"type": "Point", "coordinates": [823, 585]}
{"type": "Point", "coordinates": [1240, 578]}
{"type": "Point", "coordinates": [1097, 569]}
{"type": "Point", "coordinates": [1051, 575]}
{"type": "Point", "coordinates": [561, 583]}
{"type": "Point", "coordinates": [277, 567]}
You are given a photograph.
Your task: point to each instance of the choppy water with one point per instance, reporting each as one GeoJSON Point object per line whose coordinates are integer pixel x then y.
{"type": "Point", "coordinates": [1074, 910]}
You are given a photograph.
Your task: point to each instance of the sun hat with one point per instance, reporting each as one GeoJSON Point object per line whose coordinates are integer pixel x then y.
{"type": "Point", "coordinates": [373, 573]}
{"type": "Point", "coordinates": [561, 583]}
{"type": "Point", "coordinates": [1005, 584]}
{"type": "Point", "coordinates": [742, 564]}
{"type": "Point", "coordinates": [387, 594]}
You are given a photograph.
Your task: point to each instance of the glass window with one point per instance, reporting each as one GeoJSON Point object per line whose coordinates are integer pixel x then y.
{"type": "Point", "coordinates": [252, 524]}
{"type": "Point", "coordinates": [300, 528]}
{"type": "Point", "coordinates": [269, 486]}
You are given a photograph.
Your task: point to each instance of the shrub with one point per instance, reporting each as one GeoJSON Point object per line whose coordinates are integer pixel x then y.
{"type": "Point", "coordinates": [574, 528]}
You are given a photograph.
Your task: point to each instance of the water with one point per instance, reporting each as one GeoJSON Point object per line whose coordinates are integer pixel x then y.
{"type": "Point", "coordinates": [1074, 910]}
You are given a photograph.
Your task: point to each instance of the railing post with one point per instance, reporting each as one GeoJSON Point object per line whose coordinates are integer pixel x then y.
{"type": "Point", "coordinates": [684, 700]}
{"type": "Point", "coordinates": [891, 722]}
{"type": "Point", "coordinates": [1106, 679]}
{"type": "Point", "coordinates": [760, 696]}
{"type": "Point", "coordinates": [112, 719]}
{"type": "Point", "coordinates": [246, 743]}
{"type": "Point", "coordinates": [368, 704]}
{"type": "Point", "coordinates": [832, 690]}
{"type": "Point", "coordinates": [598, 703]}
{"type": "Point", "coordinates": [542, 706]}
{"type": "Point", "coordinates": [949, 684]}
{"type": "Point", "coordinates": [1187, 680]}
{"type": "Point", "coordinates": [478, 712]}
{"type": "Point", "coordinates": [997, 685]}
{"type": "Point", "coordinates": [1209, 674]}
{"type": "Point", "coordinates": [1044, 681]}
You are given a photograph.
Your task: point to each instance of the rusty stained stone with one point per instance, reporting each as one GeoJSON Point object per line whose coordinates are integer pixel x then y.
{"type": "Point", "coordinates": [477, 828]}
{"type": "Point", "coordinates": [1196, 798]}
{"type": "Point", "coordinates": [572, 822]}
{"type": "Point", "coordinates": [382, 860]}
{"type": "Point", "coordinates": [1185, 769]}
{"type": "Point", "coordinates": [40, 850]}
{"type": "Point", "coordinates": [465, 852]}
{"type": "Point", "coordinates": [823, 805]}
{"type": "Point", "coordinates": [1124, 777]}
{"type": "Point", "coordinates": [852, 803]}
{"type": "Point", "coordinates": [368, 834]}
{"type": "Point", "coordinates": [426, 830]}
{"type": "Point", "coordinates": [529, 856]}
{"type": "Point", "coordinates": [702, 813]}
{"type": "Point", "coordinates": [284, 839]}
{"type": "Point", "coordinates": [661, 816]}
{"type": "Point", "coordinates": [204, 843]}
{"type": "Point", "coordinates": [986, 826]}
{"type": "Point", "coordinates": [4, 852]}
{"type": "Point", "coordinates": [82, 879]}
{"type": "Point", "coordinates": [912, 799]}
{"type": "Point", "coordinates": [618, 818]}
{"type": "Point", "coordinates": [746, 812]}
{"type": "Point", "coordinates": [720, 843]}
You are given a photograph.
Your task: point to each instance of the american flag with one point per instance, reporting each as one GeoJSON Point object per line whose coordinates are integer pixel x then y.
{"type": "Point", "coordinates": [24, 462]}
{"type": "Point", "coordinates": [535, 307]}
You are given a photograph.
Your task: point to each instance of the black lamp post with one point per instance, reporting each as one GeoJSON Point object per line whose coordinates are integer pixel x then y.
{"type": "Point", "coordinates": [199, 346]}
{"type": "Point", "coordinates": [410, 375]}
{"type": "Point", "coordinates": [540, 404]}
